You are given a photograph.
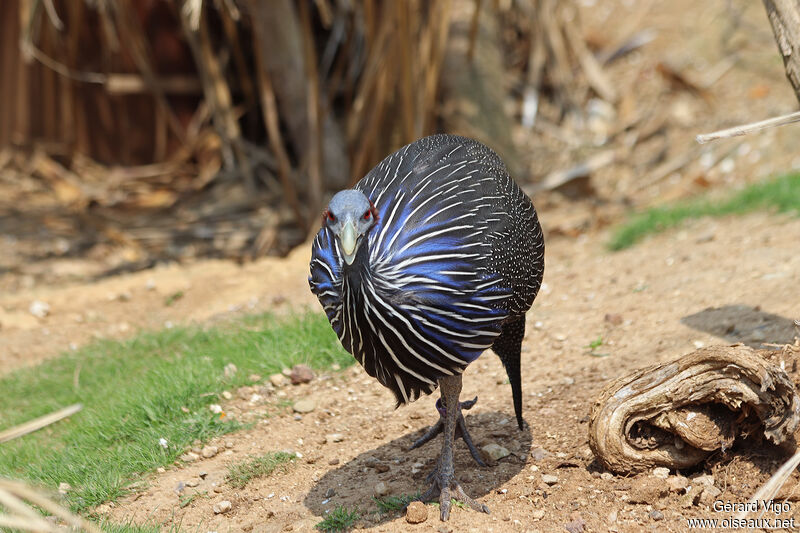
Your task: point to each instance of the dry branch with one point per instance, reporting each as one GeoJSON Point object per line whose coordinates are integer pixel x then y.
{"type": "Point", "coordinates": [39, 423]}
{"type": "Point", "coordinates": [675, 414]}
{"type": "Point", "coordinates": [745, 129]}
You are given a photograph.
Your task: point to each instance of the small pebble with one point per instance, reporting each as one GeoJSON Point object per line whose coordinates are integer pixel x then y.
{"type": "Point", "coordinates": [255, 398]}
{"type": "Point", "coordinates": [192, 483]}
{"type": "Point", "coordinates": [222, 507]}
{"type": "Point", "coordinates": [709, 495]}
{"type": "Point", "coordinates": [416, 513]}
{"type": "Point", "coordinates": [227, 395]}
{"type": "Point", "coordinates": [301, 374]}
{"type": "Point", "coordinates": [202, 474]}
{"type": "Point", "coordinates": [381, 489]}
{"type": "Point", "coordinates": [606, 476]}
{"type": "Point", "coordinates": [209, 451]}
{"type": "Point", "coordinates": [677, 483]}
{"type": "Point", "coordinates": [63, 487]}
{"type": "Point", "coordinates": [661, 472]}
{"type": "Point", "coordinates": [278, 380]}
{"type": "Point", "coordinates": [495, 451]}
{"type": "Point", "coordinates": [577, 525]}
{"type": "Point", "coordinates": [254, 378]}
{"type": "Point", "coordinates": [39, 309]}
{"type": "Point", "coordinates": [161, 469]}
{"type": "Point", "coordinates": [381, 468]}
{"type": "Point", "coordinates": [705, 480]}
{"type": "Point", "coordinates": [537, 454]}
{"type": "Point", "coordinates": [550, 479]}
{"type": "Point", "coordinates": [537, 514]}
{"type": "Point", "coordinates": [189, 457]}
{"type": "Point", "coordinates": [334, 437]}
{"type": "Point", "coordinates": [334, 461]}
{"type": "Point", "coordinates": [330, 493]}
{"type": "Point", "coordinates": [655, 514]}
{"type": "Point", "coordinates": [305, 405]}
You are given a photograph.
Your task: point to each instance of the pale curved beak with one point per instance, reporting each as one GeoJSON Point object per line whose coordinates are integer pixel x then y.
{"type": "Point", "coordinates": [349, 239]}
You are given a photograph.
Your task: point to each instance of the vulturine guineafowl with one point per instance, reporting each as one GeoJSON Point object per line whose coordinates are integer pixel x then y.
{"type": "Point", "coordinates": [433, 257]}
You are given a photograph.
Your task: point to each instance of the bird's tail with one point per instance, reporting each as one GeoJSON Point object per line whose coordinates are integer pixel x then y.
{"type": "Point", "coordinates": [513, 370]}
{"type": "Point", "coordinates": [508, 347]}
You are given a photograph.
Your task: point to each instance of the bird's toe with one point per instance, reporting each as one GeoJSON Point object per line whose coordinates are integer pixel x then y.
{"type": "Point", "coordinates": [462, 496]}
{"type": "Point", "coordinates": [431, 433]}
{"type": "Point", "coordinates": [444, 504]}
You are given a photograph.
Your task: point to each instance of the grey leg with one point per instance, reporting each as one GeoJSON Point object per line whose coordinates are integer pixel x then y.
{"type": "Point", "coordinates": [443, 477]}
{"type": "Point", "coordinates": [461, 430]}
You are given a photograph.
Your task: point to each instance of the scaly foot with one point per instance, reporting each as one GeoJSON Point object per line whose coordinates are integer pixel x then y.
{"type": "Point", "coordinates": [443, 483]}
{"type": "Point", "coordinates": [461, 430]}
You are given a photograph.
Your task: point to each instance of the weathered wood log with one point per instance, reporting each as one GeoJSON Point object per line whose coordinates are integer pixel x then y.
{"type": "Point", "coordinates": [677, 413]}
{"type": "Point", "coordinates": [784, 16]}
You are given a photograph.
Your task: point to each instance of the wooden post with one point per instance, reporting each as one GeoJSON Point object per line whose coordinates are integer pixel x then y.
{"type": "Point", "coordinates": [784, 16]}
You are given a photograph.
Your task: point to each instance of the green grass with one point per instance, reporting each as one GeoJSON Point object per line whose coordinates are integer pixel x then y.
{"type": "Point", "coordinates": [340, 519]}
{"type": "Point", "coordinates": [594, 345]}
{"type": "Point", "coordinates": [239, 474]}
{"type": "Point", "coordinates": [781, 194]}
{"type": "Point", "coordinates": [189, 498]}
{"type": "Point", "coordinates": [394, 503]}
{"type": "Point", "coordinates": [136, 392]}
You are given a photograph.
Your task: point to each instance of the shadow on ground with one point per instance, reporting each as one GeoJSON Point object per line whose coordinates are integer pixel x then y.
{"type": "Point", "coordinates": [743, 323]}
{"type": "Point", "coordinates": [352, 485]}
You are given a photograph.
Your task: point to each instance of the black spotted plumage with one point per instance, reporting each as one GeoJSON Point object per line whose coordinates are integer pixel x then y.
{"type": "Point", "coordinates": [449, 268]}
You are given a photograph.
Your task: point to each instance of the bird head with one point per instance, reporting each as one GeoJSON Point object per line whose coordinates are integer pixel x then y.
{"type": "Point", "coordinates": [350, 214]}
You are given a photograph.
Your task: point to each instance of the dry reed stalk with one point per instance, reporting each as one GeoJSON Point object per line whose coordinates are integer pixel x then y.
{"type": "Point", "coordinates": [133, 33]}
{"type": "Point", "coordinates": [316, 183]}
{"type": "Point", "coordinates": [39, 423]}
{"type": "Point", "coordinates": [19, 499]}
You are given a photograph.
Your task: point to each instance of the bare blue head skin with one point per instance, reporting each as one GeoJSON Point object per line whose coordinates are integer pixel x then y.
{"type": "Point", "coordinates": [349, 215]}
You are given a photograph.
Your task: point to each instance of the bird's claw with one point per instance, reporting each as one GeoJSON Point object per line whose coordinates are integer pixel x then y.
{"type": "Point", "coordinates": [448, 490]}
{"type": "Point", "coordinates": [461, 430]}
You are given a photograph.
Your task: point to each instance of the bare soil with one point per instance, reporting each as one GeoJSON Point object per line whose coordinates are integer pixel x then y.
{"type": "Point", "coordinates": [709, 282]}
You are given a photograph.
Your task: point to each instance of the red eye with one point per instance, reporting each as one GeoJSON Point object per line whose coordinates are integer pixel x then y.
{"type": "Point", "coordinates": [329, 216]}
{"type": "Point", "coordinates": [367, 214]}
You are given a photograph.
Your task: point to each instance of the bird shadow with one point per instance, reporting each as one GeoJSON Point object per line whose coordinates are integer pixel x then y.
{"type": "Point", "coordinates": [743, 323]}
{"type": "Point", "coordinates": [352, 485]}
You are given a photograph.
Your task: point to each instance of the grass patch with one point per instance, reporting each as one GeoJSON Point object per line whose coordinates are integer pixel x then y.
{"type": "Point", "coordinates": [340, 519]}
{"type": "Point", "coordinates": [148, 527]}
{"type": "Point", "coordinates": [189, 498]}
{"type": "Point", "coordinates": [392, 504]}
{"type": "Point", "coordinates": [137, 392]}
{"type": "Point", "coordinates": [239, 474]}
{"type": "Point", "coordinates": [781, 194]}
{"type": "Point", "coordinates": [594, 345]}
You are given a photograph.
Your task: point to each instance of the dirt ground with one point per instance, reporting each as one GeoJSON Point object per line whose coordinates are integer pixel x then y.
{"type": "Point", "coordinates": [709, 282]}
{"type": "Point", "coordinates": [672, 293]}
